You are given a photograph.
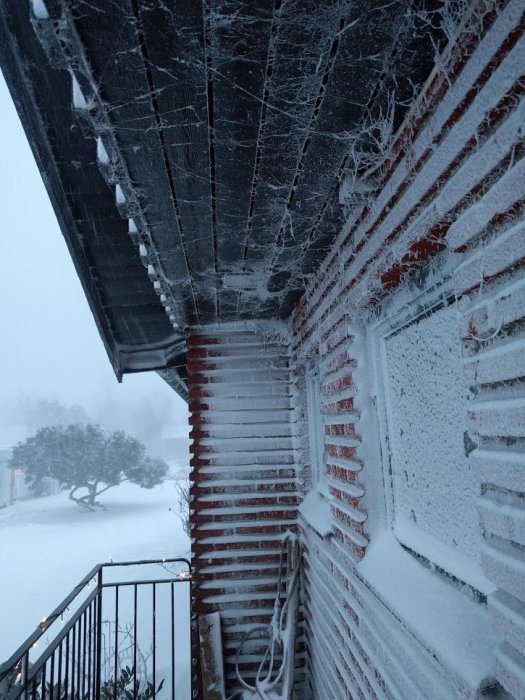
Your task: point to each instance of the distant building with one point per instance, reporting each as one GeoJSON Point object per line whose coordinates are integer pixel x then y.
{"type": "Point", "coordinates": [13, 486]}
{"type": "Point", "coordinates": [12, 482]}
{"type": "Point", "coordinates": [6, 477]}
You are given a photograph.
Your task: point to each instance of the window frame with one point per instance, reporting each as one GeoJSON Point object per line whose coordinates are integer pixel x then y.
{"type": "Point", "coordinates": [315, 510]}
{"type": "Point", "coordinates": [432, 292]}
{"type": "Point", "coordinates": [315, 423]}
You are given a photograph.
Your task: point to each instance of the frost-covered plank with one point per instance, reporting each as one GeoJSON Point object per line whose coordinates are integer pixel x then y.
{"type": "Point", "coordinates": [507, 193]}
{"type": "Point", "coordinates": [510, 668]}
{"type": "Point", "coordinates": [241, 494]}
{"type": "Point", "coordinates": [498, 364]}
{"type": "Point", "coordinates": [225, 405]}
{"type": "Point", "coordinates": [248, 416]}
{"type": "Point", "coordinates": [225, 431]}
{"type": "Point", "coordinates": [503, 254]}
{"type": "Point", "coordinates": [504, 563]}
{"type": "Point", "coordinates": [508, 616]}
{"type": "Point", "coordinates": [289, 106]}
{"type": "Point", "coordinates": [504, 469]}
{"type": "Point", "coordinates": [504, 516]}
{"type": "Point", "coordinates": [174, 41]}
{"type": "Point", "coordinates": [236, 63]}
{"type": "Point", "coordinates": [498, 418]}
{"type": "Point", "coordinates": [255, 360]}
{"type": "Point", "coordinates": [243, 484]}
{"type": "Point", "coordinates": [486, 318]}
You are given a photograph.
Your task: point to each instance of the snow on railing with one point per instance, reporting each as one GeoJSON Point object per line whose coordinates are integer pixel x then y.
{"type": "Point", "coordinates": [109, 638]}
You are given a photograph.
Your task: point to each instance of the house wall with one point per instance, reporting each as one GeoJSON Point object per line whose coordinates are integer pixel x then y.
{"type": "Point", "coordinates": [385, 620]}
{"type": "Point", "coordinates": [242, 477]}
{"type": "Point", "coordinates": [395, 605]}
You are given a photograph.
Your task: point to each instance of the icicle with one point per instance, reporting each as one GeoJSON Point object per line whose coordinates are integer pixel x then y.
{"type": "Point", "coordinates": [119, 195]}
{"type": "Point", "coordinates": [79, 101]}
{"type": "Point", "coordinates": [102, 154]}
{"type": "Point", "coordinates": [39, 9]}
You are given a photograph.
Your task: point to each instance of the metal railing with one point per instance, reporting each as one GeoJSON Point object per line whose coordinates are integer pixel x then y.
{"type": "Point", "coordinates": [110, 639]}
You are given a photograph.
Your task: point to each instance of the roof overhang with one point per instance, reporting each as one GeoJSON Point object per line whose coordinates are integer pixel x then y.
{"type": "Point", "coordinates": [201, 156]}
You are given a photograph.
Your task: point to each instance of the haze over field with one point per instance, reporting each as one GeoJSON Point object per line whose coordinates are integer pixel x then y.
{"type": "Point", "coordinates": [54, 544]}
{"type": "Point", "coordinates": [50, 348]}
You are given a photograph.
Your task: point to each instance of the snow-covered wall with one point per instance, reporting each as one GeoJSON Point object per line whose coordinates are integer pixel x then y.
{"type": "Point", "coordinates": [403, 609]}
{"type": "Point", "coordinates": [242, 478]}
{"type": "Point", "coordinates": [414, 566]}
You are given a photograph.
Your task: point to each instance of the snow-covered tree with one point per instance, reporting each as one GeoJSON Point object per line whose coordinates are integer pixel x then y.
{"type": "Point", "coordinates": [86, 457]}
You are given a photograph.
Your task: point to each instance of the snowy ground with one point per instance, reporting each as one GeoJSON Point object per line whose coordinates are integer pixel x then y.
{"type": "Point", "coordinates": [47, 545]}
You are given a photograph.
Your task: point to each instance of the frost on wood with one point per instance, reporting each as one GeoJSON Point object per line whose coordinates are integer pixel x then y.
{"type": "Point", "coordinates": [211, 656]}
{"type": "Point", "coordinates": [458, 502]}
{"type": "Point", "coordinates": [294, 117]}
{"type": "Point", "coordinates": [421, 356]}
{"type": "Point", "coordinates": [236, 184]}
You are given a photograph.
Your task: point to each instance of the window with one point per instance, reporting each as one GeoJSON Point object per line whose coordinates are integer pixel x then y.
{"type": "Point", "coordinates": [430, 548]}
{"type": "Point", "coordinates": [430, 490]}
{"type": "Point", "coordinates": [315, 426]}
{"type": "Point", "coordinates": [315, 509]}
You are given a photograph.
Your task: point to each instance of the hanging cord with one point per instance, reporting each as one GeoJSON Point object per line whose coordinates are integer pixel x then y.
{"type": "Point", "coordinates": [280, 631]}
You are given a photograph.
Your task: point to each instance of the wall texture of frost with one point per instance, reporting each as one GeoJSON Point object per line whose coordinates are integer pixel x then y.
{"type": "Point", "coordinates": [453, 192]}
{"type": "Point", "coordinates": [414, 573]}
{"type": "Point", "coordinates": [243, 476]}
{"type": "Point", "coordinates": [393, 608]}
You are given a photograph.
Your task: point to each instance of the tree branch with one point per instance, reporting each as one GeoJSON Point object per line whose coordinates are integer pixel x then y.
{"type": "Point", "coordinates": [111, 486]}
{"type": "Point", "coordinates": [82, 501]}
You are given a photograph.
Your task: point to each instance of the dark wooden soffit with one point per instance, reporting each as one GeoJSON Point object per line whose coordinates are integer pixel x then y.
{"type": "Point", "coordinates": [194, 151]}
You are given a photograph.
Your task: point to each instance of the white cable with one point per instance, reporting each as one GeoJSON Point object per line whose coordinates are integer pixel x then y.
{"type": "Point", "coordinates": [280, 630]}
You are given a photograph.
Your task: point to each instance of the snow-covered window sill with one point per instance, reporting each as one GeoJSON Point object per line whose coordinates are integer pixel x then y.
{"type": "Point", "coordinates": [315, 513]}
{"type": "Point", "coordinates": [444, 619]}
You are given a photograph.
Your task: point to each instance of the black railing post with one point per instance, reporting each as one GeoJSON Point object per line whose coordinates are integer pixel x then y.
{"type": "Point", "coordinates": [98, 642]}
{"type": "Point", "coordinates": [25, 674]}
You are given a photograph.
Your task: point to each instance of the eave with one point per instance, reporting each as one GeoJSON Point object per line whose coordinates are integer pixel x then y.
{"type": "Point", "coordinates": [194, 153]}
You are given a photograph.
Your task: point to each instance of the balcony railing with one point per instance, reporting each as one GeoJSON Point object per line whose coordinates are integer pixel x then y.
{"type": "Point", "coordinates": [114, 637]}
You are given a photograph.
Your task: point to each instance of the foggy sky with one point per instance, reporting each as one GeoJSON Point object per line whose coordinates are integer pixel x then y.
{"type": "Point", "coordinates": [49, 344]}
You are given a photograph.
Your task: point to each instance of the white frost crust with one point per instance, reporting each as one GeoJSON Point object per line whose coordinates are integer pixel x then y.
{"type": "Point", "coordinates": [79, 101]}
{"type": "Point", "coordinates": [315, 512]}
{"type": "Point", "coordinates": [102, 154]}
{"type": "Point", "coordinates": [120, 197]}
{"type": "Point", "coordinates": [457, 629]}
{"type": "Point", "coordinates": [39, 9]}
